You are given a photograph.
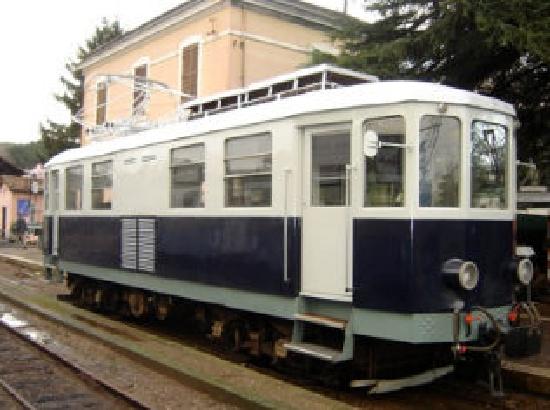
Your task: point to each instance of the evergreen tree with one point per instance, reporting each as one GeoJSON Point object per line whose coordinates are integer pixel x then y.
{"type": "Point", "coordinates": [500, 48]}
{"type": "Point", "coordinates": [57, 137]}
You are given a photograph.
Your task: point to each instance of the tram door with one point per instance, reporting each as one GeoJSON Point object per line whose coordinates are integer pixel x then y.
{"type": "Point", "coordinates": [326, 241]}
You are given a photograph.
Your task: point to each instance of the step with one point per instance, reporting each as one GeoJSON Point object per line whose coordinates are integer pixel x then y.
{"type": "Point", "coordinates": [317, 351]}
{"type": "Point", "coordinates": [321, 320]}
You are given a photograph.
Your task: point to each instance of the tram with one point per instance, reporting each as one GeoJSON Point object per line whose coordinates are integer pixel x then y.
{"type": "Point", "coordinates": [321, 216]}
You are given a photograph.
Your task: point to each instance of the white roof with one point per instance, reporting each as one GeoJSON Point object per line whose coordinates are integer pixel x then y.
{"type": "Point", "coordinates": [375, 93]}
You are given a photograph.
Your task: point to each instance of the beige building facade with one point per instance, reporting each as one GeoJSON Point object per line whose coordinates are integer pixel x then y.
{"type": "Point", "coordinates": [199, 48]}
{"type": "Point", "coordinates": [21, 196]}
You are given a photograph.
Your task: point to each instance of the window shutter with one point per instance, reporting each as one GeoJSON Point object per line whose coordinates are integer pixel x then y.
{"type": "Point", "coordinates": [101, 108]}
{"type": "Point", "coordinates": [189, 75]}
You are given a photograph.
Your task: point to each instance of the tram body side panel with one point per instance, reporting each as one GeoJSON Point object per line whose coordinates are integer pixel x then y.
{"type": "Point", "coordinates": [241, 253]}
{"type": "Point", "coordinates": [239, 248]}
{"type": "Point", "coordinates": [398, 263]}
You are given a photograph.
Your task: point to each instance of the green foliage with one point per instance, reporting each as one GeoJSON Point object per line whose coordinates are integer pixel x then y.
{"type": "Point", "coordinates": [500, 48]}
{"type": "Point", "coordinates": [57, 137]}
{"type": "Point", "coordinates": [24, 156]}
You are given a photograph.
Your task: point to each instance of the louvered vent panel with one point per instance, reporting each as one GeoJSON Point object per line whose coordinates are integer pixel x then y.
{"type": "Point", "coordinates": [128, 257]}
{"type": "Point", "coordinates": [147, 239]}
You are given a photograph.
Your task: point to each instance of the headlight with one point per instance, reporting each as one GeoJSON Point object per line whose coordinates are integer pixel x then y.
{"type": "Point", "coordinates": [461, 274]}
{"type": "Point", "coordinates": [525, 271]}
{"type": "Point", "coordinates": [468, 275]}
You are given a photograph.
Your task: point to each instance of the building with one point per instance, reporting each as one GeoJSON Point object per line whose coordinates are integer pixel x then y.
{"type": "Point", "coordinates": [21, 195]}
{"type": "Point", "coordinates": [198, 48]}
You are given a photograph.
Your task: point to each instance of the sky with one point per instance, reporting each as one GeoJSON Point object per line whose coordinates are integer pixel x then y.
{"type": "Point", "coordinates": [37, 38]}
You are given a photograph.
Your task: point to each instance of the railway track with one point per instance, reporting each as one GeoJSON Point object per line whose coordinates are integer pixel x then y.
{"type": "Point", "coordinates": [449, 392]}
{"type": "Point", "coordinates": [36, 378]}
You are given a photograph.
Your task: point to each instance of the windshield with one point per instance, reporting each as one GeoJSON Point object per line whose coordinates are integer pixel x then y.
{"type": "Point", "coordinates": [489, 157]}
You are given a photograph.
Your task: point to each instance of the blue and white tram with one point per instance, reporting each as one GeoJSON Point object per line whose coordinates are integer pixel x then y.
{"type": "Point", "coordinates": [320, 220]}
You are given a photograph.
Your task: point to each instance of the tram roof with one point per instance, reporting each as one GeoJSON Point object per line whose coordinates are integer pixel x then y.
{"type": "Point", "coordinates": [368, 94]}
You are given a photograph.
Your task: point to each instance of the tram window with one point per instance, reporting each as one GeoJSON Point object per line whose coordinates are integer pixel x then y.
{"type": "Point", "coordinates": [248, 171]}
{"type": "Point", "coordinates": [384, 186]}
{"type": "Point", "coordinates": [330, 155]}
{"type": "Point", "coordinates": [73, 187]}
{"type": "Point", "coordinates": [489, 156]}
{"type": "Point", "coordinates": [55, 190]}
{"type": "Point", "coordinates": [46, 191]}
{"type": "Point", "coordinates": [187, 177]}
{"type": "Point", "coordinates": [439, 161]}
{"type": "Point", "coordinates": [102, 185]}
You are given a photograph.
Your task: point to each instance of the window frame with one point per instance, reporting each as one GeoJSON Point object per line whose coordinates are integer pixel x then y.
{"type": "Point", "coordinates": [171, 167]}
{"type": "Point", "coordinates": [406, 117]}
{"type": "Point", "coordinates": [92, 189]}
{"type": "Point", "coordinates": [144, 62]}
{"type": "Point", "coordinates": [227, 176]}
{"type": "Point", "coordinates": [507, 162]}
{"type": "Point", "coordinates": [67, 171]}
{"type": "Point", "coordinates": [330, 133]}
{"type": "Point", "coordinates": [190, 41]}
{"type": "Point", "coordinates": [461, 164]}
{"type": "Point", "coordinates": [99, 85]}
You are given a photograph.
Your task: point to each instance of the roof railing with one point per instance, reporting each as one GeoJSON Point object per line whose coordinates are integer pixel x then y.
{"type": "Point", "coordinates": [320, 77]}
{"type": "Point", "coordinates": [303, 81]}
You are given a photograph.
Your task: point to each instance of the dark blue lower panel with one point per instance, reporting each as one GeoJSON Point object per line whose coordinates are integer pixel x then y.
{"type": "Point", "coordinates": [397, 263]}
{"type": "Point", "coordinates": [90, 240]}
{"type": "Point", "coordinates": [243, 253]}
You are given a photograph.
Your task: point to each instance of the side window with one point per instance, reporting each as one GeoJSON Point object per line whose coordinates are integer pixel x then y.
{"type": "Point", "coordinates": [102, 185]}
{"type": "Point", "coordinates": [489, 158]}
{"type": "Point", "coordinates": [46, 191]}
{"type": "Point", "coordinates": [330, 154]}
{"type": "Point", "coordinates": [189, 71]}
{"type": "Point", "coordinates": [101, 103]}
{"type": "Point", "coordinates": [140, 77]}
{"type": "Point", "coordinates": [187, 177]}
{"type": "Point", "coordinates": [248, 171]}
{"type": "Point", "coordinates": [55, 190]}
{"type": "Point", "coordinates": [73, 188]}
{"type": "Point", "coordinates": [439, 161]}
{"type": "Point", "coordinates": [384, 173]}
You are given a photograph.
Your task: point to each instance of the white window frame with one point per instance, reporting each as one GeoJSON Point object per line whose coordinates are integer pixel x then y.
{"type": "Point", "coordinates": [259, 154]}
{"type": "Point", "coordinates": [67, 169]}
{"type": "Point", "coordinates": [143, 61]}
{"type": "Point", "coordinates": [171, 166]}
{"type": "Point", "coordinates": [98, 83]}
{"type": "Point", "coordinates": [188, 41]}
{"type": "Point", "coordinates": [92, 184]}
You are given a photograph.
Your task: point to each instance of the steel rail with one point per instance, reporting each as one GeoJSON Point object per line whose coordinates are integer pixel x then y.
{"type": "Point", "coordinates": [13, 393]}
{"type": "Point", "coordinates": [78, 370]}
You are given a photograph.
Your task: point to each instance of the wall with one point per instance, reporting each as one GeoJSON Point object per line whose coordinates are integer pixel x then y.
{"type": "Point", "coordinates": [11, 191]}
{"type": "Point", "coordinates": [237, 47]}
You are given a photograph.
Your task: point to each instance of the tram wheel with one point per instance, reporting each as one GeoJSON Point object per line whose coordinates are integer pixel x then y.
{"type": "Point", "coordinates": [111, 300]}
{"type": "Point", "coordinates": [138, 304]}
{"type": "Point", "coordinates": [234, 336]}
{"type": "Point", "coordinates": [162, 307]}
{"type": "Point", "coordinates": [88, 296]}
